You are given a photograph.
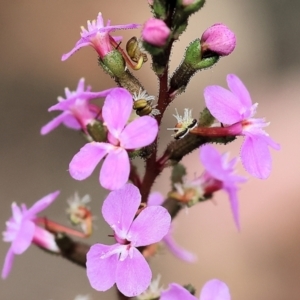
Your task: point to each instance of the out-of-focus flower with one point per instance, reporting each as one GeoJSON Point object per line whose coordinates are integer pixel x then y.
{"type": "Point", "coordinates": [212, 290]}
{"type": "Point", "coordinates": [121, 138]}
{"type": "Point", "coordinates": [122, 263]}
{"type": "Point", "coordinates": [235, 110]}
{"type": "Point", "coordinates": [98, 36]}
{"type": "Point", "coordinates": [80, 214]}
{"type": "Point", "coordinates": [156, 32]}
{"type": "Point", "coordinates": [156, 198]}
{"type": "Point", "coordinates": [21, 231]}
{"type": "Point", "coordinates": [219, 39]}
{"type": "Point", "coordinates": [76, 109]}
{"type": "Point", "coordinates": [153, 291]}
{"type": "Point", "coordinates": [219, 174]}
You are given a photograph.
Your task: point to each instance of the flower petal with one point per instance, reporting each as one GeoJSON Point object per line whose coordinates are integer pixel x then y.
{"type": "Point", "coordinates": [120, 207]}
{"type": "Point", "coordinates": [76, 48]}
{"type": "Point", "coordinates": [176, 292]}
{"type": "Point", "coordinates": [139, 133]}
{"type": "Point", "coordinates": [155, 198]}
{"type": "Point", "coordinates": [177, 250]}
{"type": "Point", "coordinates": [8, 262]}
{"type": "Point", "coordinates": [54, 123]}
{"type": "Point", "coordinates": [256, 157]}
{"type": "Point", "coordinates": [24, 237]}
{"type": "Point", "coordinates": [223, 105]}
{"type": "Point", "coordinates": [101, 272]}
{"type": "Point", "coordinates": [215, 290]}
{"type": "Point", "coordinates": [238, 88]}
{"type": "Point", "coordinates": [234, 204]}
{"type": "Point", "coordinates": [116, 110]}
{"type": "Point", "coordinates": [212, 162]}
{"type": "Point", "coordinates": [41, 204]}
{"type": "Point", "coordinates": [133, 274]}
{"type": "Point", "coordinates": [115, 169]}
{"type": "Point", "coordinates": [141, 234]}
{"type": "Point", "coordinates": [85, 161]}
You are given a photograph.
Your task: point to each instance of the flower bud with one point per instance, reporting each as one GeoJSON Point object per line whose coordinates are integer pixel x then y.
{"type": "Point", "coordinates": [156, 32]}
{"type": "Point", "coordinates": [219, 39]}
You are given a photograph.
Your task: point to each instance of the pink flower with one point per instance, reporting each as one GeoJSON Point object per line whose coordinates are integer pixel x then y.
{"type": "Point", "coordinates": [121, 138]}
{"type": "Point", "coordinates": [156, 198]}
{"type": "Point", "coordinates": [220, 174]}
{"type": "Point", "coordinates": [235, 110]}
{"type": "Point", "coordinates": [122, 263]}
{"type": "Point", "coordinates": [219, 39]}
{"type": "Point", "coordinates": [212, 290]}
{"type": "Point", "coordinates": [156, 32]}
{"type": "Point", "coordinates": [77, 112]}
{"type": "Point", "coordinates": [98, 36]}
{"type": "Point", "coordinates": [21, 231]}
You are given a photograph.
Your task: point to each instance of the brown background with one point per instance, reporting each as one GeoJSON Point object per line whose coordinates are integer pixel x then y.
{"type": "Point", "coordinates": [261, 262]}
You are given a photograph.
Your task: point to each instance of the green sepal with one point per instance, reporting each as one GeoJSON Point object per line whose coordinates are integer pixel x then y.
{"type": "Point", "coordinates": [207, 62]}
{"type": "Point", "coordinates": [190, 288]}
{"type": "Point", "coordinates": [160, 9]}
{"type": "Point", "coordinates": [115, 63]}
{"type": "Point", "coordinates": [153, 50]}
{"type": "Point", "coordinates": [178, 172]}
{"type": "Point", "coordinates": [206, 119]}
{"type": "Point", "coordinates": [97, 131]}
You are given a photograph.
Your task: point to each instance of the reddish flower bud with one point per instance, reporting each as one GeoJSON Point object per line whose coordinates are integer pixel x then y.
{"type": "Point", "coordinates": [219, 39]}
{"type": "Point", "coordinates": [156, 32]}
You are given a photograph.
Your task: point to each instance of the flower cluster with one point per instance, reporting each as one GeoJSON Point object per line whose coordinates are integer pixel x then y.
{"type": "Point", "coordinates": [126, 126]}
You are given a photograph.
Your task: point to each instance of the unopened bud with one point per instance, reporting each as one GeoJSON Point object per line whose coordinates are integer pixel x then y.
{"type": "Point", "coordinates": [218, 39]}
{"type": "Point", "coordinates": [156, 32]}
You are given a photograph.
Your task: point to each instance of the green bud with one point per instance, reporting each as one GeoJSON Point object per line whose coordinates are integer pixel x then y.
{"type": "Point", "coordinates": [97, 131]}
{"type": "Point", "coordinates": [115, 63]}
{"type": "Point", "coordinates": [192, 62]}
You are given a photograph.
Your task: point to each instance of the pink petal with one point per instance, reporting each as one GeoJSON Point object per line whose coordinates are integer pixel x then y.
{"type": "Point", "coordinates": [223, 105]}
{"type": "Point", "coordinates": [115, 169]}
{"type": "Point", "coordinates": [8, 262]}
{"type": "Point", "coordinates": [139, 133]}
{"type": "Point", "coordinates": [116, 110]}
{"type": "Point", "coordinates": [177, 250]}
{"type": "Point", "coordinates": [133, 275]}
{"type": "Point", "coordinates": [239, 89]}
{"type": "Point", "coordinates": [234, 204]}
{"type": "Point", "coordinates": [24, 237]}
{"type": "Point", "coordinates": [212, 162]}
{"type": "Point", "coordinates": [176, 292]}
{"type": "Point", "coordinates": [120, 207]}
{"type": "Point", "coordinates": [101, 272]}
{"type": "Point", "coordinates": [71, 122]}
{"type": "Point", "coordinates": [256, 157]}
{"type": "Point", "coordinates": [155, 198]}
{"type": "Point", "coordinates": [54, 123]}
{"type": "Point", "coordinates": [141, 234]}
{"type": "Point", "coordinates": [215, 290]}
{"type": "Point", "coordinates": [41, 204]}
{"type": "Point", "coordinates": [76, 48]}
{"type": "Point", "coordinates": [85, 161]}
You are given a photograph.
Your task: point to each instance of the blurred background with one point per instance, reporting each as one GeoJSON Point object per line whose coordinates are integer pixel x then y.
{"type": "Point", "coordinates": [262, 261]}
